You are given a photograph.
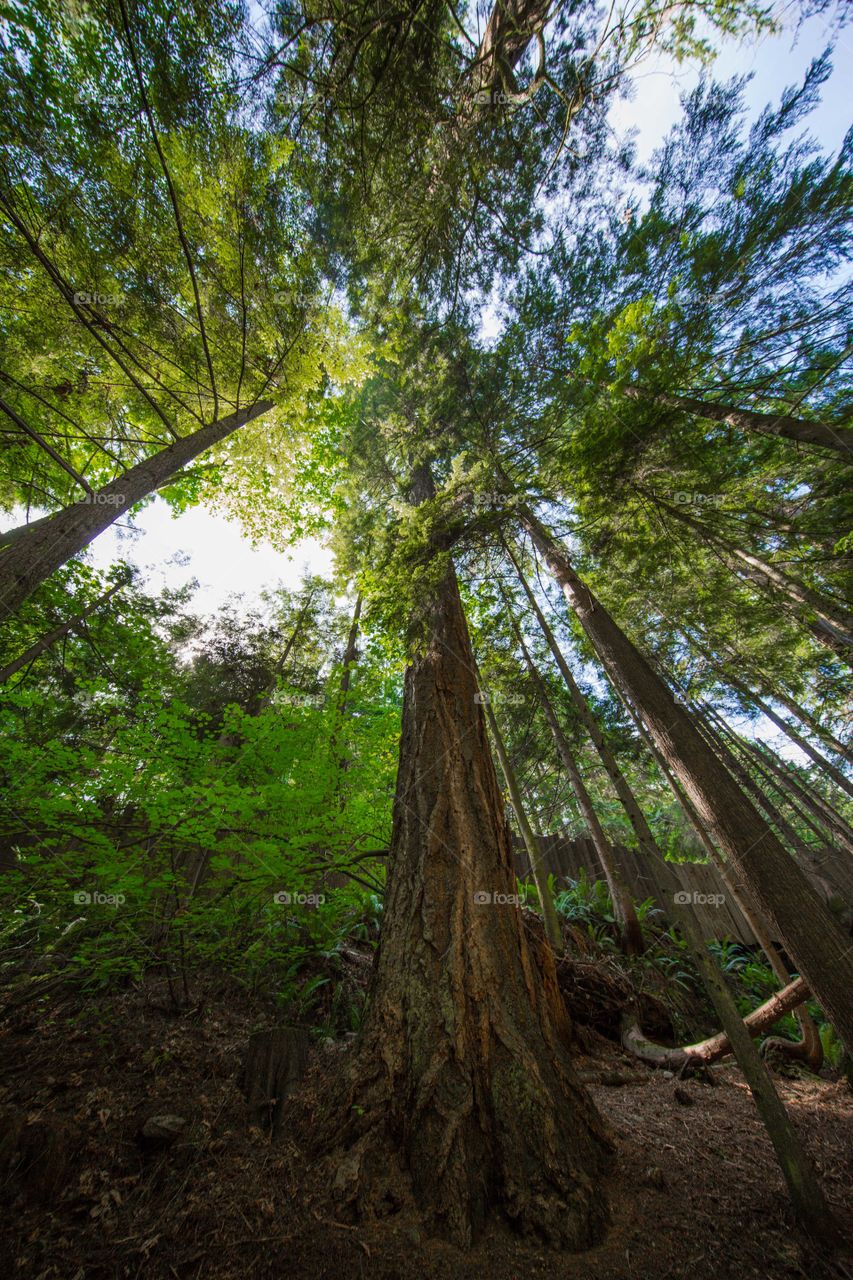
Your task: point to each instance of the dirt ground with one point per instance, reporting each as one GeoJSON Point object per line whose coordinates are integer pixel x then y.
{"type": "Point", "coordinates": [86, 1195]}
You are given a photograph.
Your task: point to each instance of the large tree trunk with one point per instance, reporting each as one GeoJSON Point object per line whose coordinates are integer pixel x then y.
{"type": "Point", "coordinates": [460, 1094]}
{"type": "Point", "coordinates": [806, 926]}
{"type": "Point", "coordinates": [34, 556]}
{"type": "Point", "coordinates": [770, 424]}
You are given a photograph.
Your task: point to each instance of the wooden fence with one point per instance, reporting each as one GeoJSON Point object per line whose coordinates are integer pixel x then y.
{"type": "Point", "coordinates": [716, 913]}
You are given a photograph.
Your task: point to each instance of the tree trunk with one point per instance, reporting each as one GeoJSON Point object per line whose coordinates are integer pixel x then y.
{"type": "Point", "coordinates": [829, 623]}
{"type": "Point", "coordinates": [769, 424]}
{"type": "Point", "coordinates": [798, 712]}
{"type": "Point", "coordinates": [553, 932]}
{"type": "Point", "coordinates": [50, 638]}
{"type": "Point", "coordinates": [824, 819]}
{"type": "Point", "coordinates": [726, 746]}
{"type": "Point", "coordinates": [798, 1170]}
{"type": "Point", "coordinates": [718, 1046]}
{"type": "Point", "coordinates": [806, 927]}
{"type": "Point", "coordinates": [623, 903]}
{"type": "Point", "coordinates": [809, 1049]}
{"type": "Point", "coordinates": [34, 556]}
{"type": "Point", "coordinates": [266, 698]}
{"type": "Point", "coordinates": [349, 660]}
{"type": "Point", "coordinates": [460, 1095]}
{"type": "Point", "coordinates": [828, 767]}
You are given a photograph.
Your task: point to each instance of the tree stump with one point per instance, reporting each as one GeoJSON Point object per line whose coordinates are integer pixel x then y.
{"type": "Point", "coordinates": [274, 1064]}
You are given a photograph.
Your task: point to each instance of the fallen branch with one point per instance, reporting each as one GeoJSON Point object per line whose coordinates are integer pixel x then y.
{"type": "Point", "coordinates": [711, 1050]}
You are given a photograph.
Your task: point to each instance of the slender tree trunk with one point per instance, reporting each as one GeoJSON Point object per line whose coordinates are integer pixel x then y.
{"type": "Point", "coordinates": [831, 770]}
{"type": "Point", "coordinates": [817, 803]}
{"type": "Point", "coordinates": [810, 1048]}
{"type": "Point", "coordinates": [771, 773]}
{"type": "Point", "coordinates": [34, 556]}
{"type": "Point", "coordinates": [553, 932]}
{"type": "Point", "coordinates": [460, 1095]}
{"type": "Point", "coordinates": [799, 713]}
{"type": "Point", "coordinates": [350, 658]}
{"type": "Point", "coordinates": [829, 623]}
{"type": "Point", "coordinates": [806, 926]}
{"type": "Point", "coordinates": [623, 903]}
{"type": "Point", "coordinates": [267, 696]}
{"type": "Point", "coordinates": [42, 645]}
{"type": "Point", "coordinates": [799, 1172]}
{"type": "Point", "coordinates": [727, 748]}
{"type": "Point", "coordinates": [840, 439]}
{"type": "Point", "coordinates": [635, 814]}
{"type": "Point", "coordinates": [824, 821]}
{"type": "Point", "coordinates": [23, 426]}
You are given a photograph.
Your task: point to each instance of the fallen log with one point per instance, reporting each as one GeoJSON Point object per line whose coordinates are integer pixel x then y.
{"type": "Point", "coordinates": [716, 1047]}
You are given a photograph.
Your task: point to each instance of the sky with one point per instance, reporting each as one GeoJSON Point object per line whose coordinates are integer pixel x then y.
{"type": "Point", "coordinates": [215, 550]}
{"type": "Point", "coordinates": [198, 544]}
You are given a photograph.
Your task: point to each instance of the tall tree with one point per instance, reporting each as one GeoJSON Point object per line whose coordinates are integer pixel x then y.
{"type": "Point", "coordinates": [806, 926]}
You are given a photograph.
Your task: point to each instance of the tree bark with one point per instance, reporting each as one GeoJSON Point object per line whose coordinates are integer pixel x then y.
{"type": "Point", "coordinates": [460, 1096]}
{"type": "Point", "coordinates": [802, 430]}
{"type": "Point", "coordinates": [33, 557]}
{"type": "Point", "coordinates": [806, 926]}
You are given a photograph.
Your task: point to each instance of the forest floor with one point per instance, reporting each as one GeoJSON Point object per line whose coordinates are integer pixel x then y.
{"type": "Point", "coordinates": [695, 1193]}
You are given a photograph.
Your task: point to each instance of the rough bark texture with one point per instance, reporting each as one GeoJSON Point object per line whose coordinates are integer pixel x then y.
{"type": "Point", "coordinates": [811, 935]}
{"type": "Point", "coordinates": [274, 1064]}
{"type": "Point", "coordinates": [35, 555]}
{"type": "Point", "coordinates": [460, 1094]}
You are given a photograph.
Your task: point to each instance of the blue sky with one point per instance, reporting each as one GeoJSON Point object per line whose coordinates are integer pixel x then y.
{"type": "Point", "coordinates": [216, 552]}
{"type": "Point", "coordinates": [199, 545]}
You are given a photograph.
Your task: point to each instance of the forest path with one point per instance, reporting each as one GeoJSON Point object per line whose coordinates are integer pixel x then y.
{"type": "Point", "coordinates": [696, 1191]}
